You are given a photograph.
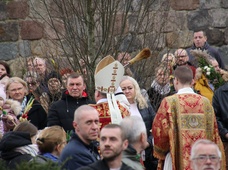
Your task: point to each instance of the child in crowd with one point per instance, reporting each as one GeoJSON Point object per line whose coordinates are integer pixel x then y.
{"type": "Point", "coordinates": [4, 73]}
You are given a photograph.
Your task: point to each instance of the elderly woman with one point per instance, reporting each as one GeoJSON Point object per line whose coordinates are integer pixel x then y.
{"type": "Point", "coordinates": [143, 109]}
{"type": "Point", "coordinates": [17, 89]}
{"type": "Point", "coordinates": [51, 142]}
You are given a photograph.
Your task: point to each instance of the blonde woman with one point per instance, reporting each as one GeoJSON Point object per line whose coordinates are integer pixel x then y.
{"type": "Point", "coordinates": [51, 142]}
{"type": "Point", "coordinates": [169, 58]}
{"type": "Point", "coordinates": [143, 109]}
{"type": "Point", "coordinates": [17, 89]}
{"type": "Point", "coordinates": [169, 61]}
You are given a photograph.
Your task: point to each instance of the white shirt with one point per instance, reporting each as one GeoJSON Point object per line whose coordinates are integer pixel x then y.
{"type": "Point", "coordinates": [186, 90]}
{"type": "Point", "coordinates": [134, 110]}
{"type": "Point", "coordinates": [115, 168]}
{"type": "Point", "coordinates": [102, 100]}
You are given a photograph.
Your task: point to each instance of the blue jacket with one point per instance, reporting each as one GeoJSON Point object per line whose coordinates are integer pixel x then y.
{"type": "Point", "coordinates": [77, 154]}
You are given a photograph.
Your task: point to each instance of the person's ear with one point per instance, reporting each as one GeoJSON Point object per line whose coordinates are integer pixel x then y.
{"type": "Point", "coordinates": [125, 144]}
{"type": "Point", "coordinates": [193, 82]}
{"type": "Point", "coordinates": [143, 140]}
{"type": "Point", "coordinates": [175, 81]}
{"type": "Point", "coordinates": [84, 86]}
{"type": "Point", "coordinates": [97, 93]}
{"type": "Point", "coordinates": [143, 137]}
{"type": "Point", "coordinates": [58, 147]}
{"type": "Point", "coordinates": [75, 125]}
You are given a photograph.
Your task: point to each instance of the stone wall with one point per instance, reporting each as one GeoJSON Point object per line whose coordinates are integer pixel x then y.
{"type": "Point", "coordinates": [208, 15]}
{"type": "Point", "coordinates": [22, 36]}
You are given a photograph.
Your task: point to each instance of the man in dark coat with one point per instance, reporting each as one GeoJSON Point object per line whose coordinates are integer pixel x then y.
{"type": "Point", "coordinates": [200, 42]}
{"type": "Point", "coordinates": [112, 142]}
{"type": "Point", "coordinates": [62, 112]}
{"type": "Point", "coordinates": [220, 105]}
{"type": "Point", "coordinates": [82, 147]}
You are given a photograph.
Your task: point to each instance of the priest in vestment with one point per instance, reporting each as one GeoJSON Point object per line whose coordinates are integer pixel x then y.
{"type": "Point", "coordinates": [111, 104]}
{"type": "Point", "coordinates": [182, 119]}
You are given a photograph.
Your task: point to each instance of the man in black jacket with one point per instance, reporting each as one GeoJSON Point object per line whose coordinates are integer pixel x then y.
{"type": "Point", "coordinates": [62, 112]}
{"type": "Point", "coordinates": [81, 150]}
{"type": "Point", "coordinates": [200, 42]}
{"type": "Point", "coordinates": [220, 105]}
{"type": "Point", "coordinates": [112, 142]}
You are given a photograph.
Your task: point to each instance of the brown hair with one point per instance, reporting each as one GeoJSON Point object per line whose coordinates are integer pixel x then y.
{"type": "Point", "coordinates": [183, 74]}
{"type": "Point", "coordinates": [75, 75]}
{"type": "Point", "coordinates": [6, 67]}
{"type": "Point", "coordinates": [26, 127]}
{"type": "Point", "coordinates": [116, 126]}
{"type": "Point", "coordinates": [49, 138]}
{"type": "Point", "coordinates": [65, 71]}
{"type": "Point", "coordinates": [200, 30]}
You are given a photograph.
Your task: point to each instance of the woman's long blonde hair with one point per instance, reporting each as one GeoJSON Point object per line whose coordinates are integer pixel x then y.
{"type": "Point", "coordinates": [139, 99]}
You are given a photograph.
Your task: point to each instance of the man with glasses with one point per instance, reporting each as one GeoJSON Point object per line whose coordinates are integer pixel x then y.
{"type": "Point", "coordinates": [205, 154]}
{"type": "Point", "coordinates": [182, 59]}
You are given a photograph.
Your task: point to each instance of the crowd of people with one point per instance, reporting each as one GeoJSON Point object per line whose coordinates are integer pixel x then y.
{"type": "Point", "coordinates": [180, 122]}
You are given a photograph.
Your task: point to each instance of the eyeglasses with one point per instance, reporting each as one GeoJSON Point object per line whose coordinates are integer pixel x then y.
{"type": "Point", "coordinates": [181, 56]}
{"type": "Point", "coordinates": [204, 158]}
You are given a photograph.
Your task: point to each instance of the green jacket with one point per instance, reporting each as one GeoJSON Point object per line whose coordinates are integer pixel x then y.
{"type": "Point", "coordinates": [132, 159]}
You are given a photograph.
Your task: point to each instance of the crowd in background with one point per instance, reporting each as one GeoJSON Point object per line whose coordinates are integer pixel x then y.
{"type": "Point", "coordinates": [47, 116]}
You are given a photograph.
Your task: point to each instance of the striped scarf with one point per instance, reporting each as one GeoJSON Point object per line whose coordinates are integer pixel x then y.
{"type": "Point", "coordinates": [163, 90]}
{"type": "Point", "coordinates": [31, 149]}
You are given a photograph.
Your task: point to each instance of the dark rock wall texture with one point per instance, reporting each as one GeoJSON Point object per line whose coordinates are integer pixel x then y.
{"type": "Point", "coordinates": [22, 36]}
